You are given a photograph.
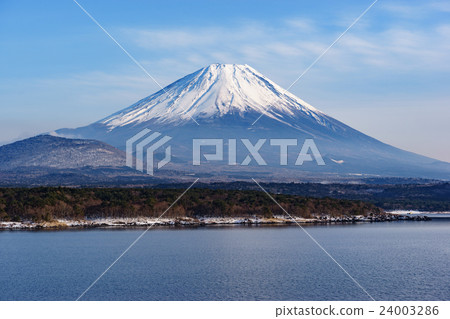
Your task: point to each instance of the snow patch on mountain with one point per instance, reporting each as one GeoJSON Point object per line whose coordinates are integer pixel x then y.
{"type": "Point", "coordinates": [212, 92]}
{"type": "Point", "coordinates": [337, 161]}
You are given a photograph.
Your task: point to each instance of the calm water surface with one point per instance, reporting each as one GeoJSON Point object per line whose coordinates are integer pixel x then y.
{"type": "Point", "coordinates": [392, 261]}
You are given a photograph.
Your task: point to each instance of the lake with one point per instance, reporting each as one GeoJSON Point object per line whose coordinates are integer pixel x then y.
{"type": "Point", "coordinates": [392, 261]}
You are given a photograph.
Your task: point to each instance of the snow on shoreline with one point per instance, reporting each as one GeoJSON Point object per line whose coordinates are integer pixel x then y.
{"type": "Point", "coordinates": [205, 221]}
{"type": "Point", "coordinates": [416, 212]}
{"type": "Point", "coordinates": [146, 222]}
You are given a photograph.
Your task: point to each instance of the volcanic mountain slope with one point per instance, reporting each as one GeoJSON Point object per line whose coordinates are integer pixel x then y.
{"type": "Point", "coordinates": [224, 100]}
{"type": "Point", "coordinates": [213, 95]}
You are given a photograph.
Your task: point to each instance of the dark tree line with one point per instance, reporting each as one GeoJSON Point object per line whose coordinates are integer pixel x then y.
{"type": "Point", "coordinates": [48, 203]}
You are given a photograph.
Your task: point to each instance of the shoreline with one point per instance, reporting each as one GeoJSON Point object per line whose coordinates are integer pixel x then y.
{"type": "Point", "coordinates": [203, 221]}
{"type": "Point", "coordinates": [416, 212]}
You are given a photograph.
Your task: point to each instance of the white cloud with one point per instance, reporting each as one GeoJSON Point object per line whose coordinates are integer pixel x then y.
{"type": "Point", "coordinates": [443, 6]}
{"type": "Point", "coordinates": [70, 101]}
{"type": "Point", "coordinates": [396, 46]}
{"type": "Point", "coordinates": [415, 10]}
{"type": "Point", "coordinates": [301, 24]}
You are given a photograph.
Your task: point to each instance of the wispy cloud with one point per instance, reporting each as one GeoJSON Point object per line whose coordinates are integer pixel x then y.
{"type": "Point", "coordinates": [301, 24]}
{"type": "Point", "coordinates": [87, 96]}
{"type": "Point", "coordinates": [416, 9]}
{"type": "Point", "coordinates": [296, 42]}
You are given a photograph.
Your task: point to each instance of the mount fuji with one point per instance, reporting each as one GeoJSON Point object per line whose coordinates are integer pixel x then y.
{"type": "Point", "coordinates": [223, 101]}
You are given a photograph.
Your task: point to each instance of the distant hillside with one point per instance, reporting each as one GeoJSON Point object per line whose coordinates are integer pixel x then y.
{"type": "Point", "coordinates": [61, 153]}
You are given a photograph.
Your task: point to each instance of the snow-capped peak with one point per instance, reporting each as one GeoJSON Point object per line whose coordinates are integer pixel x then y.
{"type": "Point", "coordinates": [214, 91]}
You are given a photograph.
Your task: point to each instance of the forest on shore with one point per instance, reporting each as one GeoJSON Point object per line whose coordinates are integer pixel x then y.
{"type": "Point", "coordinates": [50, 203]}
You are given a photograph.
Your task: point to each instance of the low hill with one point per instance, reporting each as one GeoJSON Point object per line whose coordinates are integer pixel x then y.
{"type": "Point", "coordinates": [61, 153]}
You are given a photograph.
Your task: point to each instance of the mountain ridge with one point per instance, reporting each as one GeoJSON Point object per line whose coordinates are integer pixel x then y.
{"type": "Point", "coordinates": [56, 152]}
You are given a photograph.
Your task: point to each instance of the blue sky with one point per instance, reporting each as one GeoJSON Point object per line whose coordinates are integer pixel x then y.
{"type": "Point", "coordinates": [388, 76]}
